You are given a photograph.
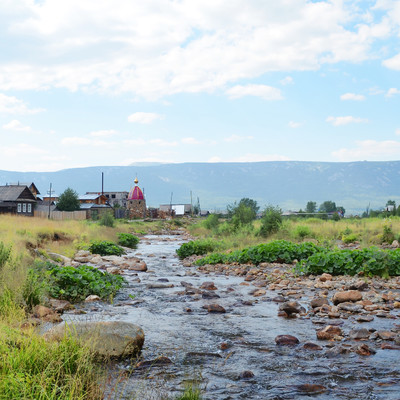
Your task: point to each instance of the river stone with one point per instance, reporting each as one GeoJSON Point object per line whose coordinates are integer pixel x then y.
{"type": "Point", "coordinates": [347, 296]}
{"type": "Point", "coordinates": [60, 258]}
{"type": "Point", "coordinates": [365, 318]}
{"type": "Point", "coordinates": [286, 340]}
{"type": "Point", "coordinates": [214, 308]}
{"type": "Point", "coordinates": [329, 332]}
{"type": "Point", "coordinates": [386, 335]}
{"type": "Point", "coordinates": [162, 360]}
{"type": "Point", "coordinates": [290, 307]}
{"type": "Point", "coordinates": [92, 297]}
{"type": "Point", "coordinates": [358, 334]}
{"type": "Point", "coordinates": [113, 270]}
{"type": "Point", "coordinates": [312, 346]}
{"type": "Point", "coordinates": [311, 388]}
{"type": "Point", "coordinates": [116, 339]}
{"type": "Point", "coordinates": [60, 305]}
{"type": "Point", "coordinates": [208, 286]}
{"type": "Point", "coordinates": [365, 350]}
{"type": "Point", "coordinates": [319, 302]}
{"type": "Point", "coordinates": [246, 375]}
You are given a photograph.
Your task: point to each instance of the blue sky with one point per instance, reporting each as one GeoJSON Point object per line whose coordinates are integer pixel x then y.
{"type": "Point", "coordinates": [100, 82]}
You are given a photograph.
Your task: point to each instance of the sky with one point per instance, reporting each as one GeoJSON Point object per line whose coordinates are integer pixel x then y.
{"type": "Point", "coordinates": [111, 83]}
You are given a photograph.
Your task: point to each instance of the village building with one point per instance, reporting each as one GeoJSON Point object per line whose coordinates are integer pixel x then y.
{"type": "Point", "coordinates": [136, 203]}
{"type": "Point", "coordinates": [176, 209]}
{"type": "Point", "coordinates": [17, 199]}
{"type": "Point", "coordinates": [115, 199]}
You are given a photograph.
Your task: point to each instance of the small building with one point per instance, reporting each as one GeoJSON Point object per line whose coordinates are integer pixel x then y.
{"type": "Point", "coordinates": [94, 211]}
{"type": "Point", "coordinates": [17, 199]}
{"type": "Point", "coordinates": [53, 198]}
{"type": "Point", "coordinates": [176, 209]}
{"type": "Point", "coordinates": [136, 203]}
{"type": "Point", "coordinates": [93, 199]}
{"type": "Point", "coordinates": [32, 187]}
{"type": "Point", "coordinates": [115, 199]}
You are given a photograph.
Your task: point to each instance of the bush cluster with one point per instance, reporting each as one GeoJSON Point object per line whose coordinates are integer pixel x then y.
{"type": "Point", "coordinates": [277, 251]}
{"type": "Point", "coordinates": [197, 247]}
{"type": "Point", "coordinates": [128, 240]}
{"type": "Point", "coordinates": [105, 248]}
{"type": "Point", "coordinates": [75, 284]}
{"type": "Point", "coordinates": [369, 261]}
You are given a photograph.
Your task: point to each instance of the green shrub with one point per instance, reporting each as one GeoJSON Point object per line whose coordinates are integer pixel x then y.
{"type": "Point", "coordinates": [302, 232]}
{"type": "Point", "coordinates": [351, 238]}
{"type": "Point", "coordinates": [5, 254]}
{"type": "Point", "coordinates": [75, 284]}
{"type": "Point", "coordinates": [36, 288]}
{"type": "Point", "coordinates": [271, 221]}
{"type": "Point", "coordinates": [197, 247]}
{"type": "Point", "coordinates": [128, 240]}
{"type": "Point", "coordinates": [105, 248]}
{"type": "Point", "coordinates": [370, 261]}
{"type": "Point", "coordinates": [211, 222]}
{"type": "Point", "coordinates": [388, 235]}
{"type": "Point", "coordinates": [277, 251]}
{"type": "Point", "coordinates": [107, 219]}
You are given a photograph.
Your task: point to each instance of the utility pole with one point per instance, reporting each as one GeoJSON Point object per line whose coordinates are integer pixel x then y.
{"type": "Point", "coordinates": [170, 204]}
{"type": "Point", "coordinates": [49, 192]}
{"type": "Point", "coordinates": [102, 183]}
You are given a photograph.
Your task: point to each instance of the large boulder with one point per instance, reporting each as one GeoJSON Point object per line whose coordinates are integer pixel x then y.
{"type": "Point", "coordinates": [347, 296]}
{"type": "Point", "coordinates": [115, 339]}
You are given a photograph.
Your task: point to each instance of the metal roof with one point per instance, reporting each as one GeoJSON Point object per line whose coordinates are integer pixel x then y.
{"type": "Point", "coordinates": [87, 206]}
{"type": "Point", "coordinates": [89, 196]}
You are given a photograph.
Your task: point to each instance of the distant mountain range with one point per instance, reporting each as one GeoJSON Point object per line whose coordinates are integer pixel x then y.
{"type": "Point", "coordinates": [289, 184]}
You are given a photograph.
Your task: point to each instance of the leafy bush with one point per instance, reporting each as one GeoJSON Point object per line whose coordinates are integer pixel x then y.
{"type": "Point", "coordinates": [128, 240]}
{"type": "Point", "coordinates": [271, 221]}
{"type": "Point", "coordinates": [370, 261]}
{"type": "Point", "coordinates": [75, 284]}
{"type": "Point", "coordinates": [105, 248]}
{"type": "Point", "coordinates": [107, 219]}
{"type": "Point", "coordinates": [351, 238]}
{"type": "Point", "coordinates": [302, 232]}
{"type": "Point", "coordinates": [36, 288]}
{"type": "Point", "coordinates": [277, 251]}
{"type": "Point", "coordinates": [5, 254]}
{"type": "Point", "coordinates": [211, 222]}
{"type": "Point", "coordinates": [197, 247]}
{"type": "Point", "coordinates": [388, 235]}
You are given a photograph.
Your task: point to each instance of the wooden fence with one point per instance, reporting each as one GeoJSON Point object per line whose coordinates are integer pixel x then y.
{"type": "Point", "coordinates": [62, 215]}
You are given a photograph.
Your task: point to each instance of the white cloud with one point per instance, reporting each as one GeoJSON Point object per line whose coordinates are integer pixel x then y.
{"type": "Point", "coordinates": [155, 48]}
{"type": "Point", "coordinates": [392, 92]}
{"type": "Point", "coordinates": [294, 125]}
{"type": "Point", "coordinates": [392, 63]}
{"type": "Point", "coordinates": [12, 105]}
{"type": "Point", "coordinates": [190, 140]}
{"type": "Point", "coordinates": [104, 133]}
{"type": "Point", "coordinates": [263, 91]}
{"type": "Point", "coordinates": [250, 157]}
{"type": "Point", "coordinates": [287, 81]}
{"type": "Point", "coordinates": [82, 141]}
{"type": "Point", "coordinates": [397, 131]}
{"type": "Point", "coordinates": [22, 149]}
{"type": "Point", "coordinates": [352, 96]}
{"type": "Point", "coordinates": [370, 150]}
{"type": "Point", "coordinates": [15, 125]}
{"type": "Point", "coordinates": [163, 143]}
{"type": "Point", "coordinates": [338, 121]}
{"type": "Point", "coordinates": [237, 138]}
{"type": "Point", "coordinates": [144, 117]}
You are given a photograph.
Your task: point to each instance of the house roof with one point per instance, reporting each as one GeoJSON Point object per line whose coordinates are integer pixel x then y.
{"type": "Point", "coordinates": [30, 185]}
{"type": "Point", "coordinates": [16, 192]}
{"type": "Point", "coordinates": [87, 206]}
{"type": "Point", "coordinates": [90, 196]}
{"type": "Point", "coordinates": [136, 194]}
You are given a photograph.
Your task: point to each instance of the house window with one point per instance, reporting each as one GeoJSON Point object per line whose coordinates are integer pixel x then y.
{"type": "Point", "coordinates": [24, 207]}
{"type": "Point", "coordinates": [19, 207]}
{"type": "Point", "coordinates": [113, 196]}
{"type": "Point", "coordinates": [29, 208]}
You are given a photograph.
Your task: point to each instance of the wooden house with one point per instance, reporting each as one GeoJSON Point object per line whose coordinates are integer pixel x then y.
{"type": "Point", "coordinates": [17, 199]}
{"type": "Point", "coordinates": [93, 199]}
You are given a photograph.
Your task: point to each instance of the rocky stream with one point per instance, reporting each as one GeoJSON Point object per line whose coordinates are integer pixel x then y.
{"type": "Point", "coordinates": [242, 332]}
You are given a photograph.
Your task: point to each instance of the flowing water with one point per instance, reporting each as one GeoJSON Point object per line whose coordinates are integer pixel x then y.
{"type": "Point", "coordinates": [177, 326]}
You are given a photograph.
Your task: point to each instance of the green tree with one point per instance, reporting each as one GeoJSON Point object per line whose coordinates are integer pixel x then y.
{"type": "Point", "coordinates": [328, 206]}
{"type": "Point", "coordinates": [391, 203]}
{"type": "Point", "coordinates": [68, 201]}
{"type": "Point", "coordinates": [311, 207]}
{"type": "Point", "coordinates": [242, 215]}
{"type": "Point", "coordinates": [271, 221]}
{"type": "Point", "coordinates": [244, 203]}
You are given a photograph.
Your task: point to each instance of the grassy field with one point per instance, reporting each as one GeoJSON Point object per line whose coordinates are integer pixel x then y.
{"type": "Point", "coordinates": [367, 232]}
